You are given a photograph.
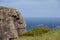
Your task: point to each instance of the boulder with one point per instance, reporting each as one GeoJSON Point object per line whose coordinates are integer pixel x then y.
{"type": "Point", "coordinates": [12, 24]}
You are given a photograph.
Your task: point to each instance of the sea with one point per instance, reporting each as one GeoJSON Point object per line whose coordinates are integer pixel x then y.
{"type": "Point", "coordinates": [32, 22]}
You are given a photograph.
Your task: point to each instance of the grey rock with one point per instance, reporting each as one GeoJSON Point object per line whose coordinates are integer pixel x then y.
{"type": "Point", "coordinates": [12, 24]}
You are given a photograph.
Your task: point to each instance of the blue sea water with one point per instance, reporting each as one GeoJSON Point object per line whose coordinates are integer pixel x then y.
{"type": "Point", "coordinates": [50, 22]}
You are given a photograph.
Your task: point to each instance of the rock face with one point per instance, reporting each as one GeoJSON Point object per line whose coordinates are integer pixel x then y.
{"type": "Point", "coordinates": [12, 23]}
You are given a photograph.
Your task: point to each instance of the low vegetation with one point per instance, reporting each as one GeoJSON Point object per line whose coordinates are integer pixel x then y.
{"type": "Point", "coordinates": [49, 35]}
{"type": "Point", "coordinates": [37, 31]}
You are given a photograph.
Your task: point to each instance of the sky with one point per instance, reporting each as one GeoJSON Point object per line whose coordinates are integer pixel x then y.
{"type": "Point", "coordinates": [34, 8]}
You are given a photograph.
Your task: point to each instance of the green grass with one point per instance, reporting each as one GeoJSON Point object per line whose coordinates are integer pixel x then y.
{"type": "Point", "coordinates": [37, 31]}
{"type": "Point", "coordinates": [28, 38]}
{"type": "Point", "coordinates": [51, 35]}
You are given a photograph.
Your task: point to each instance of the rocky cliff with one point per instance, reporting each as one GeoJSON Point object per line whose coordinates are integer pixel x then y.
{"type": "Point", "coordinates": [12, 23]}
